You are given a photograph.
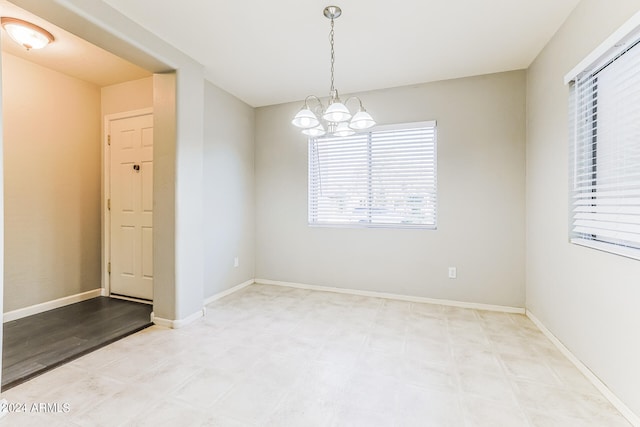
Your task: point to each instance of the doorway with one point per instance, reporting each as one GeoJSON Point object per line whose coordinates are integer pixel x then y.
{"type": "Point", "coordinates": [52, 133]}
{"type": "Point", "coordinates": [129, 215]}
{"type": "Point", "coordinates": [144, 53]}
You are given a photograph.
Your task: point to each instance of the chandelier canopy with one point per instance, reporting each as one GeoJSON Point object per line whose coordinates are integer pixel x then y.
{"type": "Point", "coordinates": [336, 119]}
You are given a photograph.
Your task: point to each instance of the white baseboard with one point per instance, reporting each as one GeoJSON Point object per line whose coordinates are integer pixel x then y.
{"type": "Point", "coordinates": [597, 383]}
{"type": "Point", "coordinates": [229, 291]}
{"type": "Point", "coordinates": [166, 323]}
{"type": "Point", "coordinates": [462, 304]}
{"type": "Point", "coordinates": [49, 305]}
{"type": "Point", "coordinates": [178, 323]}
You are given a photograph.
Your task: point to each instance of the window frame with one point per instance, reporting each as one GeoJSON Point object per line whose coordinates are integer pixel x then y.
{"type": "Point", "coordinates": [627, 37]}
{"type": "Point", "coordinates": [380, 128]}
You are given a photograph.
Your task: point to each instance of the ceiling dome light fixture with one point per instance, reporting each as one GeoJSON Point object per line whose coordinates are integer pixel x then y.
{"type": "Point", "coordinates": [336, 119]}
{"type": "Point", "coordinates": [26, 34]}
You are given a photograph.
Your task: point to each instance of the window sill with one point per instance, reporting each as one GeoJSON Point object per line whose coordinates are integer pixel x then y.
{"type": "Point", "coordinates": [365, 225]}
{"type": "Point", "coordinates": [608, 247]}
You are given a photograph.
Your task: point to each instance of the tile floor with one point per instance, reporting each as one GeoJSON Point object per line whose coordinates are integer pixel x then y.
{"type": "Point", "coordinates": [274, 356]}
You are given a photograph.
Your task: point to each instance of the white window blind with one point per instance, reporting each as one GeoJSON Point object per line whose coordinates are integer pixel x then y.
{"type": "Point", "coordinates": [605, 155]}
{"type": "Point", "coordinates": [384, 178]}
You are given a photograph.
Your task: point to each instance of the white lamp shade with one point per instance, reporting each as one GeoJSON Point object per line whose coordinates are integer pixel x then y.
{"type": "Point", "coordinates": [26, 34]}
{"type": "Point", "coordinates": [362, 120]}
{"type": "Point", "coordinates": [314, 132]}
{"type": "Point", "coordinates": [337, 112]}
{"type": "Point", "coordinates": [343, 129]}
{"type": "Point", "coordinates": [305, 119]}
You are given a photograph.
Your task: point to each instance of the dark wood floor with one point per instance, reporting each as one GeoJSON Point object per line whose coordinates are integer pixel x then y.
{"type": "Point", "coordinates": [35, 344]}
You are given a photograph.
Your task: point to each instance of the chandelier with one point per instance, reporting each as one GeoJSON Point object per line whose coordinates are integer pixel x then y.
{"type": "Point", "coordinates": [336, 119]}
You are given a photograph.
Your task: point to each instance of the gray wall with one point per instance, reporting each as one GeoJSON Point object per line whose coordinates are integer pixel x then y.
{"type": "Point", "coordinates": [229, 197]}
{"type": "Point", "coordinates": [588, 299]}
{"type": "Point", "coordinates": [481, 144]}
{"type": "Point", "coordinates": [52, 189]}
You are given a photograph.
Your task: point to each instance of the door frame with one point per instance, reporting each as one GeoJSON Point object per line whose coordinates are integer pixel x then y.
{"type": "Point", "coordinates": [106, 192]}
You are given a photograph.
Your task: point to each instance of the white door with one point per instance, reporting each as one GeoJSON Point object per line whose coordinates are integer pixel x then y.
{"type": "Point", "coordinates": [132, 206]}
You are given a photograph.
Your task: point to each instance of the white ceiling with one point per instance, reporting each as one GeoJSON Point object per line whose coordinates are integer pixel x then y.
{"type": "Point", "coordinates": [70, 54]}
{"type": "Point", "coordinates": [269, 52]}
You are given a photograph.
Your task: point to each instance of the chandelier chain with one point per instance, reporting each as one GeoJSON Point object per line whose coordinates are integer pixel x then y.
{"type": "Point", "coordinates": [333, 58]}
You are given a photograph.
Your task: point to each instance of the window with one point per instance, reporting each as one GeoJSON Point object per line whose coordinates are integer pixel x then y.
{"type": "Point", "coordinates": [382, 178]}
{"type": "Point", "coordinates": [605, 152]}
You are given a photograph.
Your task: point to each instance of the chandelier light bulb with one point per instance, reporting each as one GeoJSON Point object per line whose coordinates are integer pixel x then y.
{"type": "Point", "coordinates": [343, 129]}
{"type": "Point", "coordinates": [337, 112]}
{"type": "Point", "coordinates": [361, 120]}
{"type": "Point", "coordinates": [315, 132]}
{"type": "Point", "coordinates": [305, 119]}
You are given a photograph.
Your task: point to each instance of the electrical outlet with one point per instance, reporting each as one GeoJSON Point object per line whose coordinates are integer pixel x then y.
{"type": "Point", "coordinates": [453, 273]}
{"type": "Point", "coordinates": [236, 262]}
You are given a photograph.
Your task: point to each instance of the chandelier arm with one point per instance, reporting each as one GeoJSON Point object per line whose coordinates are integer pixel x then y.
{"type": "Point", "coordinates": [356, 98]}
{"type": "Point", "coordinates": [313, 97]}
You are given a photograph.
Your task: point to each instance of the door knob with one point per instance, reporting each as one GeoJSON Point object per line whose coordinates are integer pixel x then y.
{"type": "Point", "coordinates": [136, 168]}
